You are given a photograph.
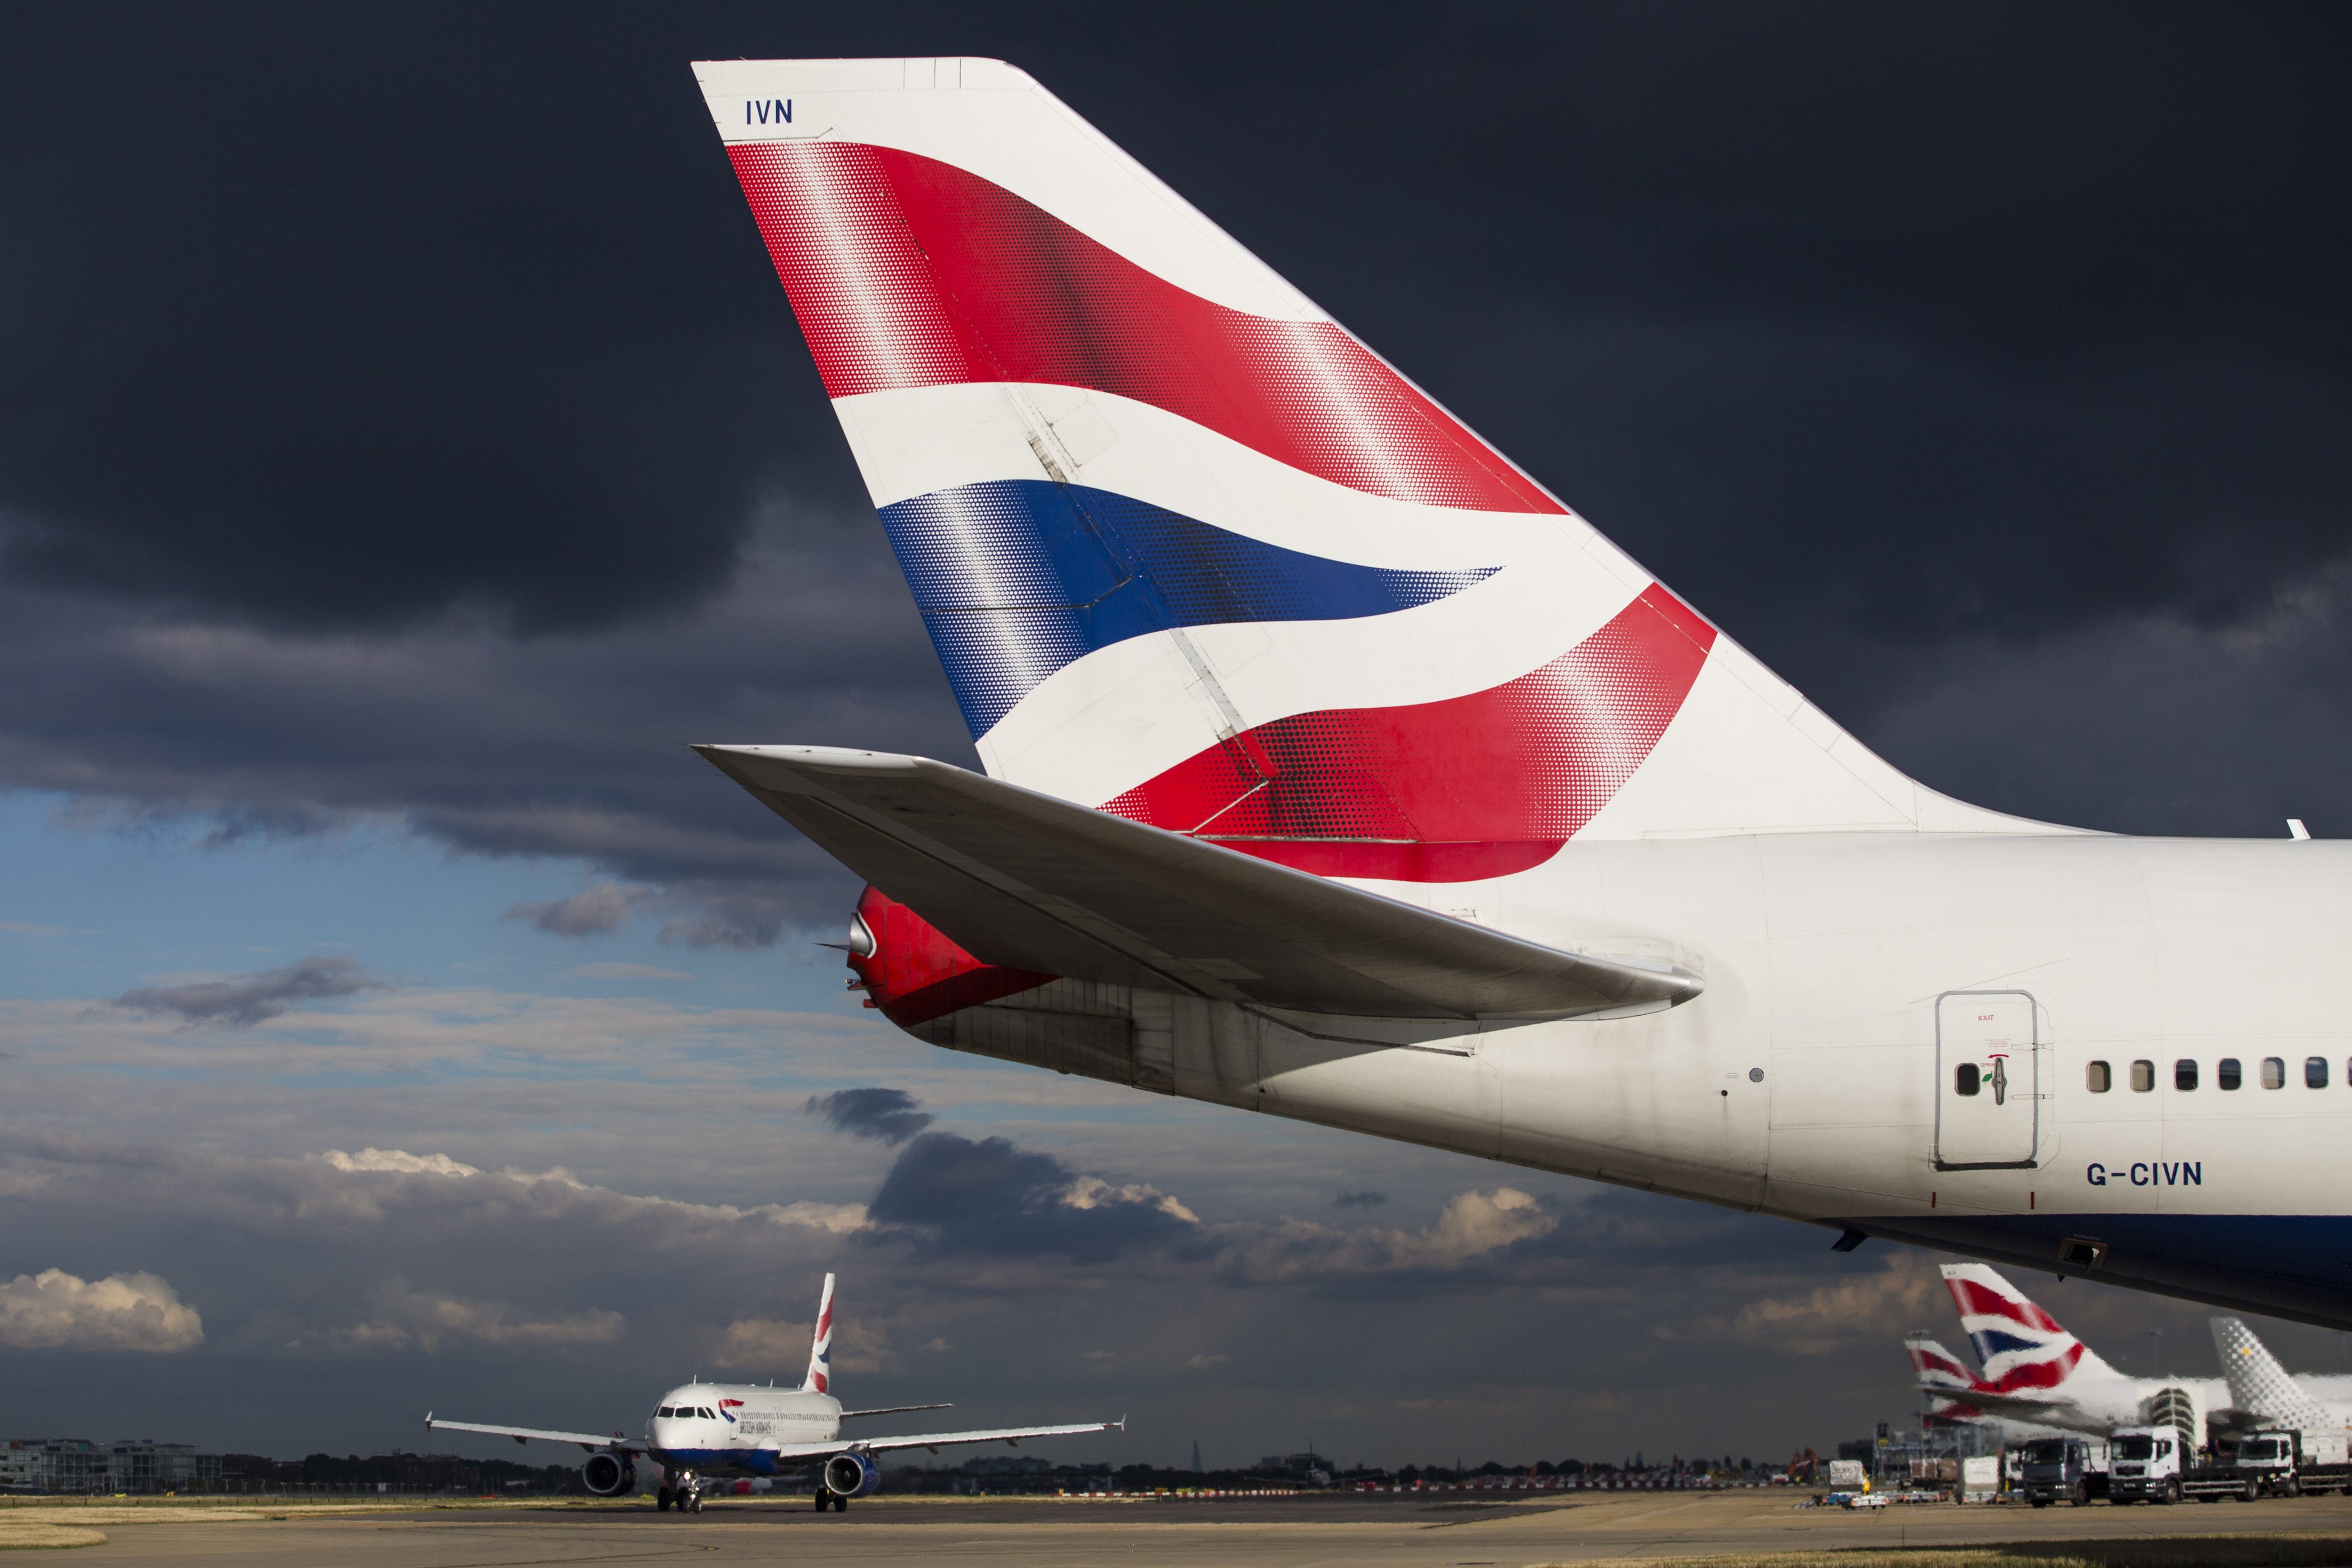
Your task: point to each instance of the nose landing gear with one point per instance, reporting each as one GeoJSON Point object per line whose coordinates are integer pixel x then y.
{"type": "Point", "coordinates": [686, 1496]}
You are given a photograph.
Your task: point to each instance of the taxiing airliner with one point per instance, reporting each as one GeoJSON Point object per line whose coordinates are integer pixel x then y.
{"type": "Point", "coordinates": [705, 1431]}
{"type": "Point", "coordinates": [1336, 769]}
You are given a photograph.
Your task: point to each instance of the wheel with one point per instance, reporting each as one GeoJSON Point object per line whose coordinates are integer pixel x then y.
{"type": "Point", "coordinates": [841, 1505]}
{"type": "Point", "coordinates": [2081, 1496]}
{"type": "Point", "coordinates": [2171, 1491]}
{"type": "Point", "coordinates": [822, 1498]}
{"type": "Point", "coordinates": [694, 1503]}
{"type": "Point", "coordinates": [661, 1501]}
{"type": "Point", "coordinates": [2250, 1492]}
{"type": "Point", "coordinates": [2295, 1486]}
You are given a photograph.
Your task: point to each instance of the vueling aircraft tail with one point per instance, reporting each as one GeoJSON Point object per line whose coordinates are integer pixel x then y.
{"type": "Point", "coordinates": [1193, 554]}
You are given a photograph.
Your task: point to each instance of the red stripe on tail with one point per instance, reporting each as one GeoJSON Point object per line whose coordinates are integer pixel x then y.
{"type": "Point", "coordinates": [905, 271]}
{"type": "Point", "coordinates": [1474, 787]}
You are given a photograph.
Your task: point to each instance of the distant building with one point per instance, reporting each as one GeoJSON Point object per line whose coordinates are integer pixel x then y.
{"type": "Point", "coordinates": [79, 1464]}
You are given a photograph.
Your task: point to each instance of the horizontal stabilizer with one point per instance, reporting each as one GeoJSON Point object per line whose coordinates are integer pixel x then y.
{"type": "Point", "coordinates": [1029, 881]}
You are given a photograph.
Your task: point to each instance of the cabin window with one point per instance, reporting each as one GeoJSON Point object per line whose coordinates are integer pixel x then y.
{"type": "Point", "coordinates": [2100, 1077]}
{"type": "Point", "coordinates": [2184, 1074]}
{"type": "Point", "coordinates": [2143, 1076]}
{"type": "Point", "coordinates": [2226, 1074]}
{"type": "Point", "coordinates": [2315, 1072]}
{"type": "Point", "coordinates": [1965, 1078]}
{"type": "Point", "coordinates": [2274, 1073]}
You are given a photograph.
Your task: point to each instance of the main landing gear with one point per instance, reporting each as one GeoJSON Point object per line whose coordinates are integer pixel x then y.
{"type": "Point", "coordinates": [839, 1504]}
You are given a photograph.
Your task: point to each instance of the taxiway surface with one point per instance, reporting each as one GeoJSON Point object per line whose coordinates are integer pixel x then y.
{"type": "Point", "coordinates": [1290, 1532]}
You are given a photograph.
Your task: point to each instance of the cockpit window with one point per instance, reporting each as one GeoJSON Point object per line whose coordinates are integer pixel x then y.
{"type": "Point", "coordinates": [662, 1411]}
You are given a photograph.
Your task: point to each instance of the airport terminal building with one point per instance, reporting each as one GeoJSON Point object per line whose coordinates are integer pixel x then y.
{"type": "Point", "coordinates": [79, 1464]}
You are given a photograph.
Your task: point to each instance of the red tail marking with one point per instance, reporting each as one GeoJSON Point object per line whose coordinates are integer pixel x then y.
{"type": "Point", "coordinates": [916, 974]}
{"type": "Point", "coordinates": [1472, 787]}
{"type": "Point", "coordinates": [1975, 1300]}
{"type": "Point", "coordinates": [906, 271]}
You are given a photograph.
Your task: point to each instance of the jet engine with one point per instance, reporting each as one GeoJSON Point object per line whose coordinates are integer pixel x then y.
{"type": "Point", "coordinates": [609, 1475]}
{"type": "Point", "coordinates": [851, 1475]}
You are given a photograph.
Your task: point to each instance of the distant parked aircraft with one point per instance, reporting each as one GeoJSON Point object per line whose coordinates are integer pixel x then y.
{"type": "Point", "coordinates": [2035, 1373]}
{"type": "Point", "coordinates": [702, 1431]}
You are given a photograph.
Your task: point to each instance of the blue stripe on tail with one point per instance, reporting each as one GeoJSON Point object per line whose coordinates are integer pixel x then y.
{"type": "Point", "coordinates": [1016, 578]}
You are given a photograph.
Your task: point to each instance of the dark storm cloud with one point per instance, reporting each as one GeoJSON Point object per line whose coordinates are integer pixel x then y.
{"type": "Point", "coordinates": [399, 420]}
{"type": "Point", "coordinates": [255, 998]}
{"type": "Point", "coordinates": [989, 1196]}
{"type": "Point", "coordinates": [597, 910]}
{"type": "Point", "coordinates": [887, 1115]}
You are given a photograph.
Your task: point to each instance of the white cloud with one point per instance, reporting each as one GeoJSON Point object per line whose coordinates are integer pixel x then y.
{"type": "Point", "coordinates": [775, 1347]}
{"type": "Point", "coordinates": [837, 1218]}
{"type": "Point", "coordinates": [400, 1160]}
{"type": "Point", "coordinates": [57, 1311]}
{"type": "Point", "coordinates": [1093, 1191]}
{"type": "Point", "coordinates": [1471, 1225]}
{"type": "Point", "coordinates": [1859, 1309]}
{"type": "Point", "coordinates": [401, 1318]}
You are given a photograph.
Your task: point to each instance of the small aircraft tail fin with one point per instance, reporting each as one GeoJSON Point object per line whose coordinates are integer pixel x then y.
{"type": "Point", "coordinates": [2024, 1348]}
{"type": "Point", "coordinates": [819, 1367]}
{"type": "Point", "coordinates": [1944, 1377]}
{"type": "Point", "coordinates": [2260, 1386]}
{"type": "Point", "coordinates": [1192, 554]}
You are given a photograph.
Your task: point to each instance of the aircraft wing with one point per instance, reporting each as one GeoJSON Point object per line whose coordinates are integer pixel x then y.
{"type": "Point", "coordinates": [1009, 1435]}
{"type": "Point", "coordinates": [2059, 1412]}
{"type": "Point", "coordinates": [589, 1440]}
{"type": "Point", "coordinates": [897, 1409]}
{"type": "Point", "coordinates": [1031, 881]}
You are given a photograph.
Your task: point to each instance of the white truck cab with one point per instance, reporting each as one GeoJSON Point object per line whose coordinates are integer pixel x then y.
{"type": "Point", "coordinates": [2145, 1464]}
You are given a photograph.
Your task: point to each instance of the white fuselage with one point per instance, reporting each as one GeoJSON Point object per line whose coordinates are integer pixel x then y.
{"type": "Point", "coordinates": [735, 1428]}
{"type": "Point", "coordinates": [1807, 1081]}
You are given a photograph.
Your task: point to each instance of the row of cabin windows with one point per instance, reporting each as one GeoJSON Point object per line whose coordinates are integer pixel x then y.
{"type": "Point", "coordinates": [2227, 1074]}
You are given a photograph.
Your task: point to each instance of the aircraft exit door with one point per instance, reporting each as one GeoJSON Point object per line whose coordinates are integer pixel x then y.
{"type": "Point", "coordinates": [1988, 1087]}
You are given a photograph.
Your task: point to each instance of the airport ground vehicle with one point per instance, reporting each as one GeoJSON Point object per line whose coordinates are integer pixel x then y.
{"type": "Point", "coordinates": [2064, 1469]}
{"type": "Point", "coordinates": [2264, 1464]}
{"type": "Point", "coordinates": [2145, 1464]}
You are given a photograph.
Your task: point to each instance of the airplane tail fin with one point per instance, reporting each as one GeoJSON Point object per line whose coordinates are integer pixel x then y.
{"type": "Point", "coordinates": [819, 1367]}
{"type": "Point", "coordinates": [1944, 1377]}
{"type": "Point", "coordinates": [1191, 553]}
{"type": "Point", "coordinates": [2261, 1386]}
{"type": "Point", "coordinates": [2024, 1348]}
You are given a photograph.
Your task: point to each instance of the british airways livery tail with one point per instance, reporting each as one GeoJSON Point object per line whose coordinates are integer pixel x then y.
{"type": "Point", "coordinates": [1336, 769]}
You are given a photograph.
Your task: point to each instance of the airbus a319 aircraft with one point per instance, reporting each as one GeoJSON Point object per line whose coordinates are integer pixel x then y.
{"type": "Point", "coordinates": [705, 1431]}
{"type": "Point", "coordinates": [1336, 769]}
